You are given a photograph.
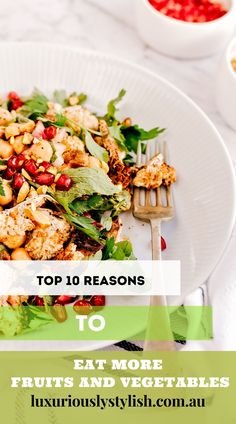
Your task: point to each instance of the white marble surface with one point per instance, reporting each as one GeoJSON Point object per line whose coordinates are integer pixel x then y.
{"type": "Point", "coordinates": [108, 25]}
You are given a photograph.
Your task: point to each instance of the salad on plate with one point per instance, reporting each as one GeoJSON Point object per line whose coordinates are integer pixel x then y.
{"type": "Point", "coordinates": [66, 175]}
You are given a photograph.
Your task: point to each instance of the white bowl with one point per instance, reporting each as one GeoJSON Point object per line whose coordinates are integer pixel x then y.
{"type": "Point", "coordinates": [226, 86]}
{"type": "Point", "coordinates": [181, 39]}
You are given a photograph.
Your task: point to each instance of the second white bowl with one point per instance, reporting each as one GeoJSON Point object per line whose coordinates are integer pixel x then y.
{"type": "Point", "coordinates": [184, 39]}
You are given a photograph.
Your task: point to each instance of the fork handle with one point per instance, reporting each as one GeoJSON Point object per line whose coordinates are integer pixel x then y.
{"type": "Point", "coordinates": [158, 345]}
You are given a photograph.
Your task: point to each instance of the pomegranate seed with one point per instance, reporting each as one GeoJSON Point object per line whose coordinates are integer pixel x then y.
{"type": "Point", "coordinates": [98, 301]}
{"type": "Point", "coordinates": [16, 162]}
{"type": "Point", "coordinates": [163, 244]}
{"type": "Point", "coordinates": [64, 183]}
{"type": "Point", "coordinates": [45, 165]}
{"type": "Point", "coordinates": [190, 10]}
{"type": "Point", "coordinates": [16, 104]}
{"type": "Point", "coordinates": [8, 174]}
{"type": "Point", "coordinates": [13, 96]}
{"type": "Point", "coordinates": [18, 181]}
{"type": "Point", "coordinates": [45, 179]}
{"type": "Point", "coordinates": [83, 307]}
{"type": "Point", "coordinates": [39, 301]}
{"type": "Point", "coordinates": [31, 167]}
{"type": "Point", "coordinates": [64, 300]}
{"type": "Point", "coordinates": [49, 133]}
{"type": "Point", "coordinates": [12, 162]}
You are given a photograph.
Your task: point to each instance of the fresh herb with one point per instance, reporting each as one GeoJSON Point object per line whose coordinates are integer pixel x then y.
{"type": "Point", "coordinates": [82, 98]}
{"type": "Point", "coordinates": [21, 319]}
{"type": "Point", "coordinates": [35, 106]}
{"type": "Point", "coordinates": [2, 191]}
{"type": "Point", "coordinates": [84, 224]}
{"type": "Point", "coordinates": [94, 148]}
{"type": "Point", "coordinates": [59, 96]}
{"type": "Point", "coordinates": [87, 181]}
{"type": "Point", "coordinates": [91, 180]}
{"type": "Point", "coordinates": [110, 116]}
{"type": "Point", "coordinates": [59, 122]}
{"type": "Point", "coordinates": [94, 202]}
{"type": "Point", "coordinates": [118, 251]}
{"type": "Point", "coordinates": [117, 203]}
{"type": "Point", "coordinates": [134, 134]}
{"type": "Point", "coordinates": [116, 133]}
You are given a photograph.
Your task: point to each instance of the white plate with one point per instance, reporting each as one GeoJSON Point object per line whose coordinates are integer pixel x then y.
{"type": "Point", "coordinates": [205, 192]}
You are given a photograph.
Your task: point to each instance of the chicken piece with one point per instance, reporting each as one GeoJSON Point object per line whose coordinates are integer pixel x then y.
{"type": "Point", "coordinates": [46, 243]}
{"type": "Point", "coordinates": [74, 143]}
{"type": "Point", "coordinates": [14, 222]}
{"type": "Point", "coordinates": [17, 129]}
{"type": "Point", "coordinates": [118, 171]}
{"type": "Point", "coordinates": [17, 300]}
{"type": "Point", "coordinates": [82, 116]}
{"type": "Point", "coordinates": [115, 230]}
{"type": "Point", "coordinates": [154, 174]}
{"type": "Point", "coordinates": [40, 150]}
{"type": "Point", "coordinates": [76, 158]}
{"type": "Point", "coordinates": [5, 116]}
{"type": "Point", "coordinates": [70, 254]}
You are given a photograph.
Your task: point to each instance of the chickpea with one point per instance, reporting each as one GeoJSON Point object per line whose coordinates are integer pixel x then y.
{"type": "Point", "coordinates": [7, 198]}
{"type": "Point", "coordinates": [20, 254]}
{"type": "Point", "coordinates": [13, 242]}
{"type": "Point", "coordinates": [6, 150]}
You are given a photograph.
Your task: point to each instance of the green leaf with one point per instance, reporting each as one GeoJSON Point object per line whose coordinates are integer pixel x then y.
{"type": "Point", "coordinates": [36, 104]}
{"type": "Point", "coordinates": [110, 117]}
{"type": "Point", "coordinates": [134, 134]}
{"type": "Point", "coordinates": [123, 251]}
{"type": "Point", "coordinates": [82, 98]}
{"type": "Point", "coordinates": [84, 224]}
{"type": "Point", "coordinates": [94, 148]}
{"type": "Point", "coordinates": [116, 133]}
{"type": "Point", "coordinates": [109, 247]}
{"type": "Point", "coordinates": [60, 121]}
{"type": "Point", "coordinates": [59, 96]}
{"type": "Point", "coordinates": [88, 181]}
{"type": "Point", "coordinates": [95, 202]}
{"type": "Point", "coordinates": [120, 251]}
{"type": "Point", "coordinates": [2, 192]}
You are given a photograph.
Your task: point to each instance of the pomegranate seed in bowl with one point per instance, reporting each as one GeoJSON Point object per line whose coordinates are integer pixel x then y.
{"type": "Point", "coordinates": [197, 11]}
{"type": "Point", "coordinates": [64, 183]}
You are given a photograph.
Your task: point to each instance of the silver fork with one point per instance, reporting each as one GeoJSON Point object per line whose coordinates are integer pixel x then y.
{"type": "Point", "coordinates": [155, 214]}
